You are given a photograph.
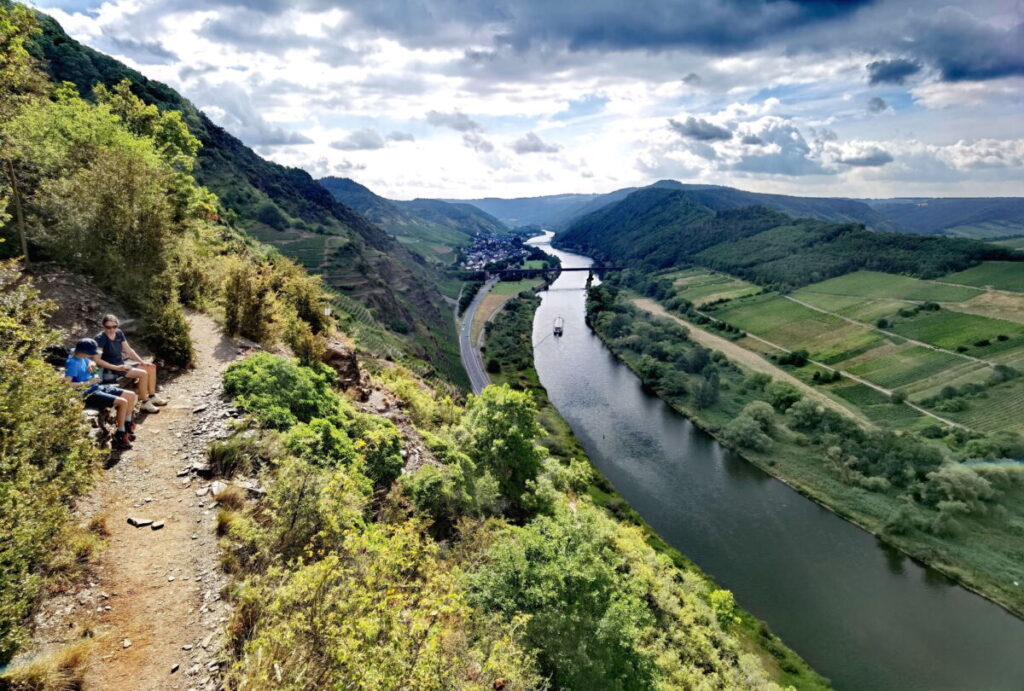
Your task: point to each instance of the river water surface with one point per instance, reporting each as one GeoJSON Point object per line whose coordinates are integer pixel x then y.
{"type": "Point", "coordinates": [858, 612]}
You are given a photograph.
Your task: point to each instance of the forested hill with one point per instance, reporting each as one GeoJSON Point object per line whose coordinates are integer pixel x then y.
{"type": "Point", "coordinates": [421, 224]}
{"type": "Point", "coordinates": [980, 217]}
{"type": "Point", "coordinates": [658, 227]}
{"type": "Point", "coordinates": [280, 205]}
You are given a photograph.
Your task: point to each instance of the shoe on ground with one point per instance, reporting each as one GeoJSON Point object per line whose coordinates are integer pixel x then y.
{"type": "Point", "coordinates": [149, 407]}
{"type": "Point", "coordinates": [120, 442]}
{"type": "Point", "coordinates": [157, 399]}
{"type": "Point", "coordinates": [129, 427]}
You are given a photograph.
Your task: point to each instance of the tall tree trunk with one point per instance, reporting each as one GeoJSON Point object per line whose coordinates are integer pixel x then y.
{"type": "Point", "coordinates": [18, 214]}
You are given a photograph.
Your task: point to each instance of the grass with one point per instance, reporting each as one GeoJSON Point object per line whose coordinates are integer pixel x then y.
{"type": "Point", "coordinates": [700, 286]}
{"type": "Point", "coordinates": [950, 330]}
{"type": "Point", "coordinates": [60, 670]}
{"type": "Point", "coordinates": [877, 407]}
{"type": "Point", "coordinates": [1014, 243]}
{"type": "Point", "coordinates": [795, 327]}
{"type": "Point", "coordinates": [855, 307]}
{"type": "Point", "coordinates": [874, 284]}
{"type": "Point", "coordinates": [515, 287]}
{"type": "Point", "coordinates": [1000, 275]}
{"type": "Point", "coordinates": [905, 365]}
{"type": "Point", "coordinates": [1001, 408]}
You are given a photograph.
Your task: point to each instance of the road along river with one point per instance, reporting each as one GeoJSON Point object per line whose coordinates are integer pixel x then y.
{"type": "Point", "coordinates": [861, 613]}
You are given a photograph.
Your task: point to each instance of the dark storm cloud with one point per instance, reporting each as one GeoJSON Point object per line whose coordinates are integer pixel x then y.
{"type": "Point", "coordinates": [530, 143]}
{"type": "Point", "coordinates": [877, 105]}
{"type": "Point", "coordinates": [693, 79]}
{"type": "Point", "coordinates": [965, 48]}
{"type": "Point", "coordinates": [699, 129]}
{"type": "Point", "coordinates": [868, 159]}
{"type": "Point", "coordinates": [893, 71]}
{"type": "Point", "coordinates": [456, 121]}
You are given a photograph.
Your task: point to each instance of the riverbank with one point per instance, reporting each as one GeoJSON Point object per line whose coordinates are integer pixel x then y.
{"type": "Point", "coordinates": [977, 551]}
{"type": "Point", "coordinates": [509, 343]}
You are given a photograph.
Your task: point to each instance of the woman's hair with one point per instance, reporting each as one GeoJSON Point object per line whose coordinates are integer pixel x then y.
{"type": "Point", "coordinates": [110, 318]}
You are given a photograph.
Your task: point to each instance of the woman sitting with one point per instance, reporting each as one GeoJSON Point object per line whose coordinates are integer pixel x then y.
{"type": "Point", "coordinates": [115, 346]}
{"type": "Point", "coordinates": [79, 371]}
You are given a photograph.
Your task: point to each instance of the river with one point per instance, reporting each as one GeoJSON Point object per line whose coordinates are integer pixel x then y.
{"type": "Point", "coordinates": [859, 612]}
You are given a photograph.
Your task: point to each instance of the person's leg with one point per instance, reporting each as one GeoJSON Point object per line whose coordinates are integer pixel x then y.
{"type": "Point", "coordinates": [121, 407]}
{"type": "Point", "coordinates": [141, 376]}
{"type": "Point", "coordinates": [151, 375]}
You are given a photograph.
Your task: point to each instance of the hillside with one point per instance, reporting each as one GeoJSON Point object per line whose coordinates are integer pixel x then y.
{"type": "Point", "coordinates": [430, 228]}
{"type": "Point", "coordinates": [659, 227]}
{"type": "Point", "coordinates": [528, 211]}
{"type": "Point", "coordinates": [979, 218]}
{"type": "Point", "coordinates": [284, 207]}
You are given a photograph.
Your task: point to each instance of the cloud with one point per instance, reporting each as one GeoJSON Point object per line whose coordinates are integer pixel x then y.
{"type": "Point", "coordinates": [963, 47]}
{"type": "Point", "coordinates": [360, 140]}
{"type": "Point", "coordinates": [877, 105]}
{"type": "Point", "coordinates": [400, 137]}
{"type": "Point", "coordinates": [530, 143]}
{"type": "Point", "coordinates": [693, 79]}
{"type": "Point", "coordinates": [459, 122]}
{"type": "Point", "coordinates": [785, 151]}
{"type": "Point", "coordinates": [751, 140]}
{"type": "Point", "coordinates": [893, 71]}
{"type": "Point", "coordinates": [143, 52]}
{"type": "Point", "coordinates": [699, 129]}
{"type": "Point", "coordinates": [228, 105]}
{"type": "Point", "coordinates": [477, 142]}
{"type": "Point", "coordinates": [870, 157]}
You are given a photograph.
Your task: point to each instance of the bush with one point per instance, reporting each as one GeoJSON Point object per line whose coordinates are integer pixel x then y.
{"type": "Point", "coordinates": [781, 395]}
{"type": "Point", "coordinates": [745, 432]}
{"type": "Point", "coordinates": [280, 392]}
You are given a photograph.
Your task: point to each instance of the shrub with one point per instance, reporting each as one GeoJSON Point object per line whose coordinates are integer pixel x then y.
{"type": "Point", "coordinates": [744, 431]}
{"type": "Point", "coordinates": [280, 392]}
{"type": "Point", "coordinates": [781, 395]}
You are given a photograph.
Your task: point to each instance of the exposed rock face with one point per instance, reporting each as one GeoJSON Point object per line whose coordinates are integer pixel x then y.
{"type": "Point", "coordinates": [342, 360]}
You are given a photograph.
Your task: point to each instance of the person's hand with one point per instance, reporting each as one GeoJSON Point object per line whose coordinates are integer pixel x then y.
{"type": "Point", "coordinates": [126, 368]}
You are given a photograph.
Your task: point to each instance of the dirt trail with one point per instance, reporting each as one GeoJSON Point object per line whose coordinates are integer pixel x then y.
{"type": "Point", "coordinates": [154, 601]}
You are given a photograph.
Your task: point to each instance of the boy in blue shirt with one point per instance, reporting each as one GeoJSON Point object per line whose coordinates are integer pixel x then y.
{"type": "Point", "coordinates": [80, 372]}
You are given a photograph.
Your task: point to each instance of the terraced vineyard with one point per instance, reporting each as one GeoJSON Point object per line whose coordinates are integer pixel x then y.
{"type": "Point", "coordinates": [981, 337]}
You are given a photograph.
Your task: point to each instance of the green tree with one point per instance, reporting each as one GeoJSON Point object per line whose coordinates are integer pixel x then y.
{"type": "Point", "coordinates": [498, 431]}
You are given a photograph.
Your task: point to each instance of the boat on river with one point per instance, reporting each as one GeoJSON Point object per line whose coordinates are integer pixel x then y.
{"type": "Point", "coordinates": [559, 326]}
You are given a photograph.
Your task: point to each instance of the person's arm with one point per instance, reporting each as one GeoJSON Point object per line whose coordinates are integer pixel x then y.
{"type": "Point", "coordinates": [130, 352]}
{"type": "Point", "coordinates": [113, 368]}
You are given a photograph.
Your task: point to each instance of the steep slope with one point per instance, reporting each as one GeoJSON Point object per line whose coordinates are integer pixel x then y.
{"type": "Point", "coordinates": [658, 227]}
{"type": "Point", "coordinates": [285, 207]}
{"type": "Point", "coordinates": [430, 228]}
{"type": "Point", "coordinates": [981, 217]}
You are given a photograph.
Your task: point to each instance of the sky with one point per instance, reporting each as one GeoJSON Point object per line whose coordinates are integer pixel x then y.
{"type": "Point", "coordinates": [511, 98]}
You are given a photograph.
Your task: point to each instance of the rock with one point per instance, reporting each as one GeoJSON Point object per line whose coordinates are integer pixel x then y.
{"type": "Point", "coordinates": [175, 668]}
{"type": "Point", "coordinates": [202, 491]}
{"type": "Point", "coordinates": [126, 643]}
{"type": "Point", "coordinates": [183, 472]}
{"type": "Point", "coordinates": [201, 468]}
{"type": "Point", "coordinates": [343, 361]}
{"type": "Point", "coordinates": [187, 647]}
{"type": "Point", "coordinates": [200, 408]}
{"type": "Point", "coordinates": [206, 641]}
{"type": "Point", "coordinates": [148, 499]}
{"type": "Point", "coordinates": [157, 525]}
{"type": "Point", "coordinates": [140, 522]}
{"type": "Point", "coordinates": [217, 487]}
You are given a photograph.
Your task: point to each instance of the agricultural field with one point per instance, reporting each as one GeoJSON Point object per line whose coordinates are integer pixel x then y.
{"type": "Point", "coordinates": [877, 407]}
{"type": "Point", "coordinates": [862, 309]}
{"type": "Point", "coordinates": [873, 284]}
{"type": "Point", "coordinates": [958, 330]}
{"type": "Point", "coordinates": [793, 326]}
{"type": "Point", "coordinates": [515, 287]}
{"type": "Point", "coordinates": [996, 305]}
{"type": "Point", "coordinates": [999, 408]}
{"type": "Point", "coordinates": [1014, 243]}
{"type": "Point", "coordinates": [999, 275]}
{"type": "Point", "coordinates": [701, 286]}
{"type": "Point", "coordinates": [905, 365]}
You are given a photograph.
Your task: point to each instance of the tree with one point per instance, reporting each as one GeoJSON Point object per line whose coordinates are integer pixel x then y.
{"type": "Point", "coordinates": [498, 430]}
{"type": "Point", "coordinates": [744, 431]}
{"type": "Point", "coordinates": [782, 395]}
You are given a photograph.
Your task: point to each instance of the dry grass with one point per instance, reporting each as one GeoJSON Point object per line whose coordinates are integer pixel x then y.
{"type": "Point", "coordinates": [225, 519]}
{"type": "Point", "coordinates": [233, 497]}
{"type": "Point", "coordinates": [74, 551]}
{"type": "Point", "coordinates": [61, 670]}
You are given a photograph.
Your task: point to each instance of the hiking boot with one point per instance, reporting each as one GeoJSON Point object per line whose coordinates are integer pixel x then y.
{"type": "Point", "coordinates": [149, 407]}
{"type": "Point", "coordinates": [120, 441]}
{"type": "Point", "coordinates": [157, 399]}
{"type": "Point", "coordinates": [129, 427]}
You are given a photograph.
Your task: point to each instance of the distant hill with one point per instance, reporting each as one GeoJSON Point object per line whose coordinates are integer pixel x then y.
{"type": "Point", "coordinates": [658, 227]}
{"type": "Point", "coordinates": [429, 227]}
{"type": "Point", "coordinates": [981, 217]}
{"type": "Point", "coordinates": [545, 212]}
{"type": "Point", "coordinates": [284, 207]}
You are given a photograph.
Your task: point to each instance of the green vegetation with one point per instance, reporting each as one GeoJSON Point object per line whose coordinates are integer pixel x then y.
{"type": "Point", "coordinates": [45, 460]}
{"type": "Point", "coordinates": [1000, 275]}
{"type": "Point", "coordinates": [657, 228]}
{"type": "Point", "coordinates": [700, 287]}
{"type": "Point", "coordinates": [497, 565]}
{"type": "Point", "coordinates": [926, 493]}
{"type": "Point", "coordinates": [873, 284]}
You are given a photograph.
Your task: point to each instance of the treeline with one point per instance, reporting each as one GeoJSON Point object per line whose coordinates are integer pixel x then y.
{"type": "Point", "coordinates": [656, 228]}
{"type": "Point", "coordinates": [931, 488]}
{"type": "Point", "coordinates": [105, 187]}
{"type": "Point", "coordinates": [486, 567]}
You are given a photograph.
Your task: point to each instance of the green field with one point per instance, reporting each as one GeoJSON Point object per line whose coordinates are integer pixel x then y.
{"type": "Point", "coordinates": [1000, 275]}
{"type": "Point", "coordinates": [948, 329]}
{"type": "Point", "coordinates": [984, 231]}
{"type": "Point", "coordinates": [877, 407]}
{"type": "Point", "coordinates": [904, 366]}
{"type": "Point", "coordinates": [700, 286]}
{"type": "Point", "coordinates": [515, 287]}
{"type": "Point", "coordinates": [1001, 408]}
{"type": "Point", "coordinates": [873, 284]}
{"type": "Point", "coordinates": [855, 307]}
{"type": "Point", "coordinates": [1015, 243]}
{"type": "Point", "coordinates": [795, 327]}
